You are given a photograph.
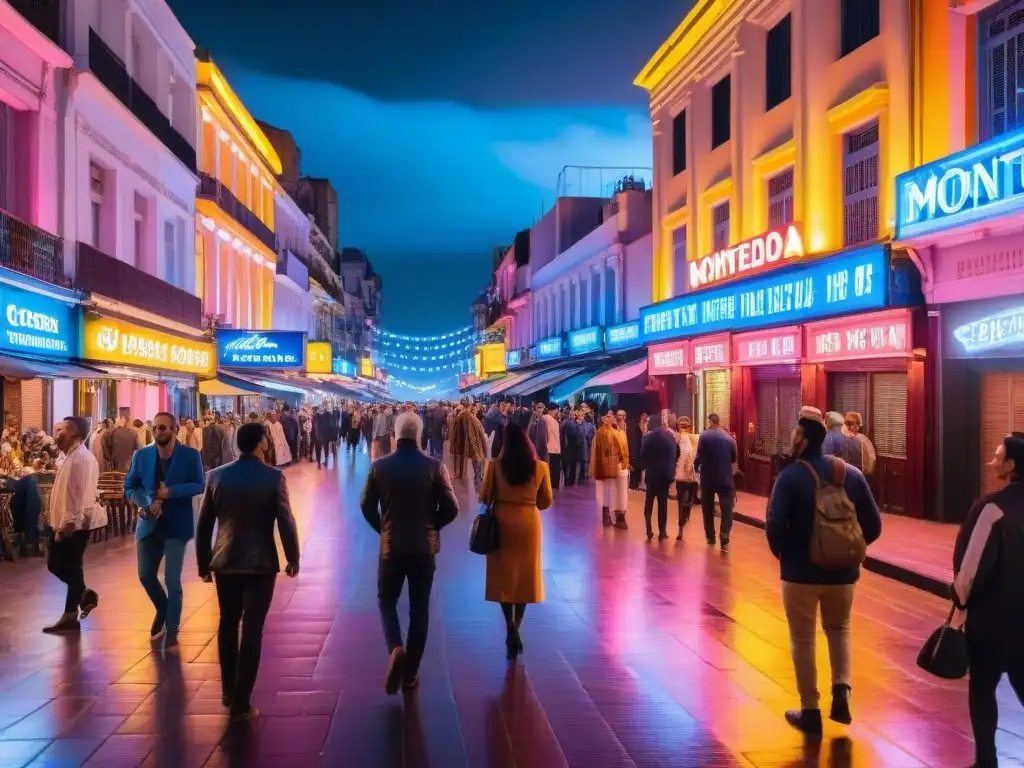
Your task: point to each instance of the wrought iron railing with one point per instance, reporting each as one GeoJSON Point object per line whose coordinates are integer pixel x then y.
{"type": "Point", "coordinates": [30, 250]}
{"type": "Point", "coordinates": [211, 189]}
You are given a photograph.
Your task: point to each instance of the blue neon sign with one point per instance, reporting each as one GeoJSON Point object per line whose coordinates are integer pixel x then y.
{"type": "Point", "coordinates": [976, 184]}
{"type": "Point", "coordinates": [513, 358]}
{"type": "Point", "coordinates": [848, 282]}
{"type": "Point", "coordinates": [261, 349]}
{"type": "Point", "coordinates": [36, 324]}
{"type": "Point", "coordinates": [622, 336]}
{"type": "Point", "coordinates": [549, 349]}
{"type": "Point", "coordinates": [342, 367]}
{"type": "Point", "coordinates": [585, 340]}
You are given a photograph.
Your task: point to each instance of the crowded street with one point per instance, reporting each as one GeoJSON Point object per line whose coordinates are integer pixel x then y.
{"type": "Point", "coordinates": [644, 654]}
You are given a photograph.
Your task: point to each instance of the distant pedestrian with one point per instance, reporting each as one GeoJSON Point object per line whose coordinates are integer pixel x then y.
{"type": "Point", "coordinates": [686, 477]}
{"type": "Point", "coordinates": [609, 461]}
{"type": "Point", "coordinates": [839, 443]}
{"type": "Point", "coordinates": [659, 454]}
{"type": "Point", "coordinates": [716, 456]}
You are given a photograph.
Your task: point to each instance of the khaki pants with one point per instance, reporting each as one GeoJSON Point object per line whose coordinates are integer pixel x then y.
{"type": "Point", "coordinates": [801, 603]}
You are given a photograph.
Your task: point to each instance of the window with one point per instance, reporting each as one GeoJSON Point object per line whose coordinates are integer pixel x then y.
{"type": "Point", "coordinates": [96, 208]}
{"type": "Point", "coordinates": [780, 199]}
{"type": "Point", "coordinates": [136, 62]}
{"type": "Point", "coordinates": [721, 99]}
{"type": "Point", "coordinates": [859, 20]}
{"type": "Point", "coordinates": [171, 261]}
{"type": "Point", "coordinates": [95, 211]}
{"type": "Point", "coordinates": [720, 226]}
{"type": "Point", "coordinates": [777, 70]}
{"type": "Point", "coordinates": [680, 274]}
{"type": "Point", "coordinates": [170, 99]}
{"type": "Point", "coordinates": [679, 143]}
{"type": "Point", "coordinates": [140, 210]}
{"type": "Point", "coordinates": [860, 185]}
{"type": "Point", "coordinates": [1003, 63]}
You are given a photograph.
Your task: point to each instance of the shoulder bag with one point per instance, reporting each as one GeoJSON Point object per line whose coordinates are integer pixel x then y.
{"type": "Point", "coordinates": [945, 652]}
{"type": "Point", "coordinates": [483, 536]}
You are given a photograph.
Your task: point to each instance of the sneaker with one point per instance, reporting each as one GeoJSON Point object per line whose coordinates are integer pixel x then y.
{"type": "Point", "coordinates": [396, 671]}
{"type": "Point", "coordinates": [841, 704]}
{"type": "Point", "coordinates": [725, 546]}
{"type": "Point", "coordinates": [66, 625]}
{"type": "Point", "coordinates": [90, 600]}
{"type": "Point", "coordinates": [806, 720]}
{"type": "Point", "coordinates": [158, 628]}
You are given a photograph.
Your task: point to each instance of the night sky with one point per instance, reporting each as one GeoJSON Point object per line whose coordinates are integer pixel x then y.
{"type": "Point", "coordinates": [443, 125]}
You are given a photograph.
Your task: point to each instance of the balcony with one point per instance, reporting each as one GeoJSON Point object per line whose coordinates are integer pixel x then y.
{"type": "Point", "coordinates": [44, 15]}
{"type": "Point", "coordinates": [31, 250]}
{"type": "Point", "coordinates": [291, 266]}
{"type": "Point", "coordinates": [211, 189]}
{"type": "Point", "coordinates": [97, 272]}
{"type": "Point", "coordinates": [111, 71]}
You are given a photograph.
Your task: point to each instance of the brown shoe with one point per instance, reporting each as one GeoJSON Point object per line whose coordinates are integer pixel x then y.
{"type": "Point", "coordinates": [620, 521]}
{"type": "Point", "coordinates": [66, 625]}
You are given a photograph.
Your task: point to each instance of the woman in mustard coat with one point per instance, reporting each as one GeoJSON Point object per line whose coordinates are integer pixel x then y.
{"type": "Point", "coordinates": [521, 485]}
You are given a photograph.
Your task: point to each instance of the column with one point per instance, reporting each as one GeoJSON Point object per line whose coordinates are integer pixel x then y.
{"type": "Point", "coordinates": [619, 288]}
{"type": "Point", "coordinates": [605, 320]}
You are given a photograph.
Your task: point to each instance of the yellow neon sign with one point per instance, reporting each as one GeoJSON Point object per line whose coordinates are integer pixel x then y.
{"type": "Point", "coordinates": [366, 368]}
{"type": "Point", "coordinates": [492, 359]}
{"type": "Point", "coordinates": [318, 357]}
{"type": "Point", "coordinates": [115, 341]}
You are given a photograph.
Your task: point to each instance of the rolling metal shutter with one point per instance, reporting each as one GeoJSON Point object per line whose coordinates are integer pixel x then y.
{"type": "Point", "coordinates": [33, 404]}
{"type": "Point", "coordinates": [680, 398]}
{"type": "Point", "coordinates": [1002, 397]}
{"type": "Point", "coordinates": [717, 392]}
{"type": "Point", "coordinates": [888, 425]}
{"type": "Point", "coordinates": [778, 409]}
{"type": "Point", "coordinates": [849, 392]}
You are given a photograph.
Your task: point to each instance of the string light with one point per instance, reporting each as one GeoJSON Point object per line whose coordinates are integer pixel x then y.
{"type": "Point", "coordinates": [394, 381]}
{"type": "Point", "coordinates": [453, 334]}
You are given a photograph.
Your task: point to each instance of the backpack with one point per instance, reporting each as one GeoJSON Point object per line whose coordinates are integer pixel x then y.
{"type": "Point", "coordinates": [837, 541]}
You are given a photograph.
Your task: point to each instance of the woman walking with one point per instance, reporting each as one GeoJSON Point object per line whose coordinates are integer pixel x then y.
{"type": "Point", "coordinates": [520, 486]}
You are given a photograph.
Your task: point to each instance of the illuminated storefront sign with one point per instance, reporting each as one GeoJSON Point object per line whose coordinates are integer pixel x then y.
{"type": "Point", "coordinates": [668, 359]}
{"type": "Point", "coordinates": [585, 340]}
{"type": "Point", "coordinates": [492, 359]}
{"type": "Point", "coordinates": [514, 358]}
{"type": "Point", "coordinates": [261, 349]}
{"type": "Point", "coordinates": [979, 183]}
{"type": "Point", "coordinates": [34, 324]}
{"type": "Point", "coordinates": [778, 345]}
{"type": "Point", "coordinates": [844, 283]}
{"type": "Point", "coordinates": [1003, 329]}
{"type": "Point", "coordinates": [318, 357]}
{"type": "Point", "coordinates": [622, 336]}
{"type": "Point", "coordinates": [366, 367]}
{"type": "Point", "coordinates": [714, 352]}
{"type": "Point", "coordinates": [114, 341]}
{"type": "Point", "coordinates": [549, 349]}
{"type": "Point", "coordinates": [342, 367]}
{"type": "Point", "coordinates": [885, 334]}
{"type": "Point", "coordinates": [775, 248]}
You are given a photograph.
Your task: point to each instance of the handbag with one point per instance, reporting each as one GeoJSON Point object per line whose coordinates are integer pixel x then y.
{"type": "Point", "coordinates": [483, 536]}
{"type": "Point", "coordinates": [945, 652]}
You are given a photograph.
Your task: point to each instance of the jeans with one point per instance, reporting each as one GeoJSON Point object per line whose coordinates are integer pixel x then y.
{"type": "Point", "coordinates": [801, 604]}
{"type": "Point", "coordinates": [686, 492]}
{"type": "Point", "coordinates": [319, 448]}
{"type": "Point", "coordinates": [150, 551]}
{"type": "Point", "coordinates": [64, 560]}
{"type": "Point", "coordinates": [657, 489]}
{"type": "Point", "coordinates": [391, 576]}
{"type": "Point", "coordinates": [726, 500]}
{"type": "Point", "coordinates": [572, 465]}
{"type": "Point", "coordinates": [437, 448]}
{"type": "Point", "coordinates": [245, 598]}
{"type": "Point", "coordinates": [555, 465]}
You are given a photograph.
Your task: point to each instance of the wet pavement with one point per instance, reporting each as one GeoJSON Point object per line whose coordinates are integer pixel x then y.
{"type": "Point", "coordinates": [664, 654]}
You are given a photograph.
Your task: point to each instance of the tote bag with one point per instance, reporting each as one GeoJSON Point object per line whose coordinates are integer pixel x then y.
{"type": "Point", "coordinates": [483, 536]}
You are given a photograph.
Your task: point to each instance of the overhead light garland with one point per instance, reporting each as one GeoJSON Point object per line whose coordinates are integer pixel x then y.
{"type": "Point", "coordinates": [467, 331]}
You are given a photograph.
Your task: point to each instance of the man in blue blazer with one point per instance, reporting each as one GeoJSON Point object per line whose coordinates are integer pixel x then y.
{"type": "Point", "coordinates": [162, 480]}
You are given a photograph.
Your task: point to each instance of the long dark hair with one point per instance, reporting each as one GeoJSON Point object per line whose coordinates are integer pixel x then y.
{"type": "Point", "coordinates": [518, 459]}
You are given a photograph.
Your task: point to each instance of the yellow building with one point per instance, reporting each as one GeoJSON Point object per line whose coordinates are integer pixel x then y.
{"type": "Point", "coordinates": [236, 245]}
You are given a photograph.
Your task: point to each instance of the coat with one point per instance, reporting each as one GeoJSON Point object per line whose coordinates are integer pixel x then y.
{"type": "Point", "coordinates": [184, 480]}
{"type": "Point", "coordinates": [514, 568]}
{"type": "Point", "coordinates": [609, 454]}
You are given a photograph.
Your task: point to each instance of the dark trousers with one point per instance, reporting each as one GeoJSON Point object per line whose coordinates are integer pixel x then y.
{"type": "Point", "coordinates": [657, 490]}
{"type": "Point", "coordinates": [987, 669]}
{"type": "Point", "coordinates": [573, 465]}
{"type": "Point", "coordinates": [293, 447]}
{"type": "Point", "coordinates": [391, 576]}
{"type": "Point", "coordinates": [64, 560]}
{"type": "Point", "coordinates": [726, 500]}
{"type": "Point", "coordinates": [320, 448]}
{"type": "Point", "coordinates": [686, 493]}
{"type": "Point", "coordinates": [243, 598]}
{"type": "Point", "coordinates": [635, 474]}
{"type": "Point", "coordinates": [555, 465]}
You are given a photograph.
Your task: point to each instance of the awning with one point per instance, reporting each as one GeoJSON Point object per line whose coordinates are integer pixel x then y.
{"type": "Point", "coordinates": [29, 368]}
{"type": "Point", "coordinates": [483, 388]}
{"type": "Point", "coordinates": [619, 375]}
{"type": "Point", "coordinates": [566, 389]}
{"type": "Point", "coordinates": [228, 386]}
{"type": "Point", "coordinates": [542, 380]}
{"type": "Point", "coordinates": [508, 381]}
{"type": "Point", "coordinates": [263, 381]}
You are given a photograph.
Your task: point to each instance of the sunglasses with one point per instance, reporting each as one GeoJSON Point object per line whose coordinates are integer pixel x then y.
{"type": "Point", "coordinates": [852, 424]}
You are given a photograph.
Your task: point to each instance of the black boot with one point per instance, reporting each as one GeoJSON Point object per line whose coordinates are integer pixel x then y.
{"type": "Point", "coordinates": [806, 720]}
{"type": "Point", "coordinates": [841, 704]}
{"type": "Point", "coordinates": [606, 517]}
{"type": "Point", "coordinates": [620, 521]}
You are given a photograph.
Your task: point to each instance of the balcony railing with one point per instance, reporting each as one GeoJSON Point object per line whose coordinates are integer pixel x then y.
{"type": "Point", "coordinates": [291, 266]}
{"type": "Point", "coordinates": [44, 15]}
{"type": "Point", "coordinates": [97, 272]}
{"type": "Point", "coordinates": [211, 189]}
{"type": "Point", "coordinates": [111, 71]}
{"type": "Point", "coordinates": [31, 250]}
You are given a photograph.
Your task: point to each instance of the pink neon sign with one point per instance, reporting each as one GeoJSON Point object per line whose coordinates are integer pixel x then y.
{"type": "Point", "coordinates": [774, 346]}
{"type": "Point", "coordinates": [668, 359]}
{"type": "Point", "coordinates": [882, 334]}
{"type": "Point", "coordinates": [711, 352]}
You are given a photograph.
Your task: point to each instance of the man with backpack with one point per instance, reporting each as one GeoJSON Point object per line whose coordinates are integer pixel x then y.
{"type": "Point", "coordinates": [821, 518]}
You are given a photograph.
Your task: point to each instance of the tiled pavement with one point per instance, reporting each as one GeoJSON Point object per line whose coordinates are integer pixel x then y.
{"type": "Point", "coordinates": [643, 655]}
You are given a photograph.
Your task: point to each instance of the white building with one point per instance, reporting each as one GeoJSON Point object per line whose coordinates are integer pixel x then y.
{"type": "Point", "coordinates": [292, 303]}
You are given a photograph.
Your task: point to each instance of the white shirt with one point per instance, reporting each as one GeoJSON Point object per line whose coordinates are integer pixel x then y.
{"type": "Point", "coordinates": [73, 499]}
{"type": "Point", "coordinates": [554, 438]}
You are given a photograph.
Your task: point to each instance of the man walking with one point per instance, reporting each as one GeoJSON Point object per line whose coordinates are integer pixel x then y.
{"type": "Point", "coordinates": [659, 452]}
{"type": "Point", "coordinates": [323, 428]}
{"type": "Point", "coordinates": [790, 526]}
{"type": "Point", "coordinates": [245, 499]}
{"type": "Point", "coordinates": [290, 425]}
{"type": "Point", "coordinates": [162, 480]}
{"type": "Point", "coordinates": [408, 498]}
{"type": "Point", "coordinates": [74, 514]}
{"type": "Point", "coordinates": [716, 455]}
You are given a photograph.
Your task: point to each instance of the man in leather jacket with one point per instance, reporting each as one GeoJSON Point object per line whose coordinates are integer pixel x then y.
{"type": "Point", "coordinates": [245, 498]}
{"type": "Point", "coordinates": [408, 498]}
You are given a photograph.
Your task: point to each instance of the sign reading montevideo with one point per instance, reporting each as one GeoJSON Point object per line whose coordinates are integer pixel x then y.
{"type": "Point", "coordinates": [585, 340]}
{"type": "Point", "coordinates": [849, 282]}
{"type": "Point", "coordinates": [114, 341]}
{"type": "Point", "coordinates": [548, 349]}
{"type": "Point", "coordinates": [775, 248]}
{"type": "Point", "coordinates": [982, 182]}
{"type": "Point", "coordinates": [37, 325]}
{"type": "Point", "coordinates": [622, 336]}
{"type": "Point", "coordinates": [261, 349]}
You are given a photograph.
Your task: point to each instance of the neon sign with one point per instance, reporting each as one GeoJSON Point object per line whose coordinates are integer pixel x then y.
{"type": "Point", "coordinates": [884, 334]}
{"type": "Point", "coordinates": [548, 349]}
{"type": "Point", "coordinates": [767, 346]}
{"type": "Point", "coordinates": [759, 254]}
{"type": "Point", "coordinates": [513, 358]}
{"type": "Point", "coordinates": [852, 281]}
{"type": "Point", "coordinates": [668, 359]}
{"type": "Point", "coordinates": [622, 336]}
{"type": "Point", "coordinates": [585, 340]}
{"type": "Point", "coordinates": [261, 349]}
{"type": "Point", "coordinates": [992, 332]}
{"type": "Point", "coordinates": [711, 353]}
{"type": "Point", "coordinates": [979, 183]}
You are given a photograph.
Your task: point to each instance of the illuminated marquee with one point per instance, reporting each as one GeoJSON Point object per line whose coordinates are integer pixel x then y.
{"type": "Point", "coordinates": [262, 349]}
{"type": "Point", "coordinates": [979, 183]}
{"type": "Point", "coordinates": [585, 340]}
{"type": "Point", "coordinates": [548, 349]}
{"type": "Point", "coordinates": [622, 336]}
{"type": "Point", "coordinates": [711, 352]}
{"type": "Point", "coordinates": [776, 345]}
{"type": "Point", "coordinates": [113, 341]}
{"type": "Point", "coordinates": [763, 253]}
{"type": "Point", "coordinates": [513, 358]}
{"type": "Point", "coordinates": [1000, 330]}
{"type": "Point", "coordinates": [882, 334]}
{"type": "Point", "coordinates": [668, 359]}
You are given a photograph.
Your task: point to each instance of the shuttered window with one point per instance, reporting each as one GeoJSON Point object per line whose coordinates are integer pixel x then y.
{"type": "Point", "coordinates": [680, 398]}
{"type": "Point", "coordinates": [778, 64]}
{"type": "Point", "coordinates": [780, 199]}
{"type": "Point", "coordinates": [888, 426]}
{"type": "Point", "coordinates": [1002, 412]}
{"type": "Point", "coordinates": [720, 225]}
{"type": "Point", "coordinates": [860, 185]}
{"type": "Point", "coordinates": [778, 409]}
{"type": "Point", "coordinates": [860, 22]}
{"type": "Point", "coordinates": [721, 101]}
{"type": "Point", "coordinates": [1003, 61]}
{"type": "Point", "coordinates": [849, 392]}
{"type": "Point", "coordinates": [33, 404]}
{"type": "Point", "coordinates": [717, 386]}
{"type": "Point", "coordinates": [680, 275]}
{"type": "Point", "coordinates": [679, 143]}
